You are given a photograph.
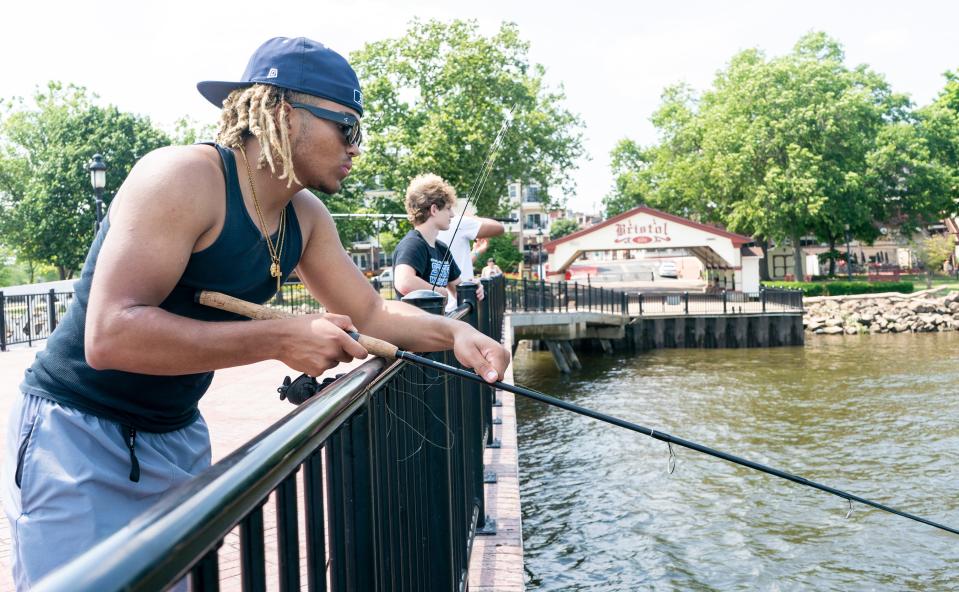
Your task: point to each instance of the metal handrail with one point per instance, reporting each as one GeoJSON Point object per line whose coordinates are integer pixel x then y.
{"type": "Point", "coordinates": [180, 534]}
{"type": "Point", "coordinates": [194, 517]}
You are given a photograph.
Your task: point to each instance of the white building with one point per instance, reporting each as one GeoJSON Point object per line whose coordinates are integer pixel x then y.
{"type": "Point", "coordinates": [725, 255]}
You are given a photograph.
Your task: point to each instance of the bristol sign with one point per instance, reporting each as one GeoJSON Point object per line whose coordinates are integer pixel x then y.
{"type": "Point", "coordinates": [636, 233]}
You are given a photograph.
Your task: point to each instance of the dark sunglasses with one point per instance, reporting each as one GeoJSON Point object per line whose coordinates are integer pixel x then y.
{"type": "Point", "coordinates": [349, 125]}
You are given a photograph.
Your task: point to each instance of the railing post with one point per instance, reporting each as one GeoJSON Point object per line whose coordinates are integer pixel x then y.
{"type": "Point", "coordinates": [525, 296]}
{"type": "Point", "coordinates": [52, 310]}
{"type": "Point", "coordinates": [3, 322]}
{"type": "Point", "coordinates": [686, 302]}
{"type": "Point", "coordinates": [478, 410]}
{"type": "Point", "coordinates": [440, 547]}
{"type": "Point", "coordinates": [762, 297]}
{"type": "Point", "coordinates": [29, 299]}
{"type": "Point", "coordinates": [641, 298]}
{"type": "Point", "coordinates": [724, 301]}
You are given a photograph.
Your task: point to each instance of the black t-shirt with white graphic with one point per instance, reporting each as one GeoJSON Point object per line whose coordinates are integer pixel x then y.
{"type": "Point", "coordinates": [432, 264]}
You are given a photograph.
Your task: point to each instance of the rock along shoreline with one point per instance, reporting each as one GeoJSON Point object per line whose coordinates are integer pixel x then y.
{"type": "Point", "coordinates": [920, 312]}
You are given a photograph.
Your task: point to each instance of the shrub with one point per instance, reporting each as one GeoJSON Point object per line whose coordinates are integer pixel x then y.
{"type": "Point", "coordinates": [840, 288]}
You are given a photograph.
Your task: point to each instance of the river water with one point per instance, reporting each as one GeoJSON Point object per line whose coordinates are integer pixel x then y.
{"type": "Point", "coordinates": [875, 415]}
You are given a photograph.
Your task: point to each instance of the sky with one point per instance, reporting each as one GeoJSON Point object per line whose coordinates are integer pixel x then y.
{"type": "Point", "coordinates": [612, 58]}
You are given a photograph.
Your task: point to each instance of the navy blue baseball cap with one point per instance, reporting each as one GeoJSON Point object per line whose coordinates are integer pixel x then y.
{"type": "Point", "coordinates": [298, 64]}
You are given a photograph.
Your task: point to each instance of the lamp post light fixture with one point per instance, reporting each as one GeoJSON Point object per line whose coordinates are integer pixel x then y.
{"type": "Point", "coordinates": [98, 178]}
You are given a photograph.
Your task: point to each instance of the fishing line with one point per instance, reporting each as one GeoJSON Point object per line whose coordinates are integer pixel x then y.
{"type": "Point", "coordinates": [389, 351]}
{"type": "Point", "coordinates": [665, 437]}
{"type": "Point", "coordinates": [477, 187]}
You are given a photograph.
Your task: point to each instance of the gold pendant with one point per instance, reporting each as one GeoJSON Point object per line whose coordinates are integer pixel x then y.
{"type": "Point", "coordinates": [275, 269]}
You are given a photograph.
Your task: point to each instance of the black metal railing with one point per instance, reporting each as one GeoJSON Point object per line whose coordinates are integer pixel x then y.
{"type": "Point", "coordinates": [26, 318]}
{"type": "Point", "coordinates": [538, 295]}
{"type": "Point", "coordinates": [389, 462]}
{"type": "Point", "coordinates": [532, 296]}
{"type": "Point", "coordinates": [767, 300]}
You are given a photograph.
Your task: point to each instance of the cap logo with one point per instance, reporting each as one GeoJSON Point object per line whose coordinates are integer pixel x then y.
{"type": "Point", "coordinates": [357, 96]}
{"type": "Point", "coordinates": [273, 73]}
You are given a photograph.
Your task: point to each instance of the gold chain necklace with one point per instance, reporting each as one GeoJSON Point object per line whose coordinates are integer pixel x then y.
{"type": "Point", "coordinates": [275, 251]}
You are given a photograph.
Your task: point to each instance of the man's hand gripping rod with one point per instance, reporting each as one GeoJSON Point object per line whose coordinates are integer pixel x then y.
{"type": "Point", "coordinates": [389, 351]}
{"type": "Point", "coordinates": [375, 346]}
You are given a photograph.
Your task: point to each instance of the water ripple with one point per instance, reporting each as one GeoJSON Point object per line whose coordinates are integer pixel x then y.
{"type": "Point", "coordinates": [874, 415]}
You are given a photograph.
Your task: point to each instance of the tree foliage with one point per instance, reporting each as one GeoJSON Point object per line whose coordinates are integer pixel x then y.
{"type": "Point", "coordinates": [932, 252]}
{"type": "Point", "coordinates": [502, 249]}
{"type": "Point", "coordinates": [436, 98]}
{"type": "Point", "coordinates": [562, 227]}
{"type": "Point", "coordinates": [788, 147]}
{"type": "Point", "coordinates": [46, 201]}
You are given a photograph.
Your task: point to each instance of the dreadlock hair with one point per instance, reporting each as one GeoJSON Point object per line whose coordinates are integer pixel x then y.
{"type": "Point", "coordinates": [250, 112]}
{"type": "Point", "coordinates": [424, 192]}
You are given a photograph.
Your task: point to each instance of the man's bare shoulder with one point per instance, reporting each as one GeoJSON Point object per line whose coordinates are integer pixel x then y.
{"type": "Point", "coordinates": [179, 166]}
{"type": "Point", "coordinates": [175, 176]}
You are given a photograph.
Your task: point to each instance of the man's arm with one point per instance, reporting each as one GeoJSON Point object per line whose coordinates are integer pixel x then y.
{"type": "Point", "coordinates": [171, 205]}
{"type": "Point", "coordinates": [405, 280]}
{"type": "Point", "coordinates": [332, 277]}
{"type": "Point", "coordinates": [489, 227]}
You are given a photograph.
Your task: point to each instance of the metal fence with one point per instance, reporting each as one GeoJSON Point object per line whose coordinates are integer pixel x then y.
{"type": "Point", "coordinates": [767, 300]}
{"type": "Point", "coordinates": [389, 463]}
{"type": "Point", "coordinates": [27, 318]}
{"type": "Point", "coordinates": [530, 295]}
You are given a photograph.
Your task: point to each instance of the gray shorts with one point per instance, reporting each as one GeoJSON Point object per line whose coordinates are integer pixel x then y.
{"type": "Point", "coordinates": [70, 486]}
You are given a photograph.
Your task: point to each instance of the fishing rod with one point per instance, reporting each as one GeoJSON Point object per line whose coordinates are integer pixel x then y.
{"type": "Point", "coordinates": [477, 187]}
{"type": "Point", "coordinates": [387, 350]}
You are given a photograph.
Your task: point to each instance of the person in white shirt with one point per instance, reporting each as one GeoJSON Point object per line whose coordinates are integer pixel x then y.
{"type": "Point", "coordinates": [471, 228]}
{"type": "Point", "coordinates": [491, 269]}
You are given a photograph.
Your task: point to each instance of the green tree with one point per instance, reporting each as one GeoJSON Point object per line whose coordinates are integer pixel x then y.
{"type": "Point", "coordinates": [436, 99]}
{"type": "Point", "coordinates": [504, 251]}
{"type": "Point", "coordinates": [933, 251]}
{"type": "Point", "coordinates": [46, 202]}
{"type": "Point", "coordinates": [783, 148]}
{"type": "Point", "coordinates": [562, 227]}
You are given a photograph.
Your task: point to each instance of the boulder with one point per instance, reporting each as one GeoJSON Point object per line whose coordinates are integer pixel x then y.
{"type": "Point", "coordinates": [951, 298]}
{"type": "Point", "coordinates": [834, 322]}
{"type": "Point", "coordinates": [921, 306]}
{"type": "Point", "coordinates": [831, 330]}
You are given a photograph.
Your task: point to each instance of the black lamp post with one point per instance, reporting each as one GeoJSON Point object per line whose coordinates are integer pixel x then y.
{"type": "Point", "coordinates": [539, 249]}
{"type": "Point", "coordinates": [848, 256]}
{"type": "Point", "coordinates": [98, 178]}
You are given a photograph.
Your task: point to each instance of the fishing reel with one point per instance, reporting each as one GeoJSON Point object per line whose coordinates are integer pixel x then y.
{"type": "Point", "coordinates": [300, 390]}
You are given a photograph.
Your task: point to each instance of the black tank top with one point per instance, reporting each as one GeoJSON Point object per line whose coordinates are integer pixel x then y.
{"type": "Point", "coordinates": [237, 263]}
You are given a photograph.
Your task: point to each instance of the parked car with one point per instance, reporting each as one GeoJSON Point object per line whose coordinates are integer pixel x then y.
{"type": "Point", "coordinates": [386, 276]}
{"type": "Point", "coordinates": [668, 269]}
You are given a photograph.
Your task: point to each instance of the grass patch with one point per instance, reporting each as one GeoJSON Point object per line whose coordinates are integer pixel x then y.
{"type": "Point", "coordinates": [842, 288]}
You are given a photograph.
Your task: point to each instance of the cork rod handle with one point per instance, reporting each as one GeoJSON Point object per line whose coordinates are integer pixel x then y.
{"type": "Point", "coordinates": [375, 346]}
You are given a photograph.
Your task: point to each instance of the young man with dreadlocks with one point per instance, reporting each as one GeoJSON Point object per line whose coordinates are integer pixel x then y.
{"type": "Point", "coordinates": [108, 420]}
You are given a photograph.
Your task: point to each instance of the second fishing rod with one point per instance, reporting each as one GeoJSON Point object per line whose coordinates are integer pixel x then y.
{"type": "Point", "coordinates": [389, 351]}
